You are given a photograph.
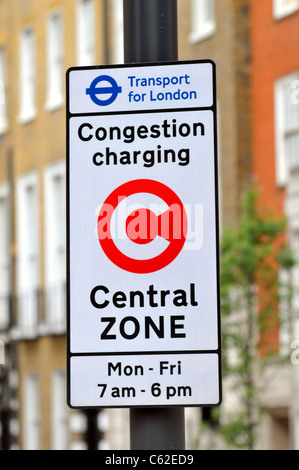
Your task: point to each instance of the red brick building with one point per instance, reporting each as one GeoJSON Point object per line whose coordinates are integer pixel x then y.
{"type": "Point", "coordinates": [274, 55]}
{"type": "Point", "coordinates": [274, 45]}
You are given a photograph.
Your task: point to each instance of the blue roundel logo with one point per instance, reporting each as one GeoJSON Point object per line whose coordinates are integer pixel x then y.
{"type": "Point", "coordinates": [110, 92]}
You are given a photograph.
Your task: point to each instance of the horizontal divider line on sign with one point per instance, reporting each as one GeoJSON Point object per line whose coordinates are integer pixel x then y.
{"type": "Point", "coordinates": [143, 353]}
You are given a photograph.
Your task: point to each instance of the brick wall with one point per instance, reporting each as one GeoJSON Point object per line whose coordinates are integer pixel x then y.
{"type": "Point", "coordinates": [274, 54]}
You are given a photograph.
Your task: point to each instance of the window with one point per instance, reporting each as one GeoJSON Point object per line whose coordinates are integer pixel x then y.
{"type": "Point", "coordinates": [118, 28]}
{"type": "Point", "coordinates": [31, 413]}
{"type": "Point", "coordinates": [27, 76]}
{"type": "Point", "coordinates": [3, 105]}
{"type": "Point", "coordinates": [289, 283]}
{"type": "Point", "coordinates": [283, 8]}
{"type": "Point", "coordinates": [55, 214]}
{"type": "Point", "coordinates": [54, 61]}
{"type": "Point", "coordinates": [28, 254]}
{"type": "Point", "coordinates": [287, 127]}
{"type": "Point", "coordinates": [60, 434]}
{"type": "Point", "coordinates": [4, 256]}
{"type": "Point", "coordinates": [294, 240]}
{"type": "Point", "coordinates": [202, 19]}
{"type": "Point", "coordinates": [86, 38]}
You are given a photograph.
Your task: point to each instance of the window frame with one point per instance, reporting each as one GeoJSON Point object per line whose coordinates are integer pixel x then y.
{"type": "Point", "coordinates": [60, 438]}
{"type": "Point", "coordinates": [118, 27]}
{"type": "Point", "coordinates": [55, 249]}
{"type": "Point", "coordinates": [282, 166]}
{"type": "Point", "coordinates": [5, 262]}
{"type": "Point", "coordinates": [3, 92]}
{"type": "Point", "coordinates": [81, 47]}
{"type": "Point", "coordinates": [32, 412]}
{"type": "Point", "coordinates": [55, 58]}
{"type": "Point", "coordinates": [201, 29]}
{"type": "Point", "coordinates": [27, 80]}
{"type": "Point", "coordinates": [281, 11]}
{"type": "Point", "coordinates": [28, 266]}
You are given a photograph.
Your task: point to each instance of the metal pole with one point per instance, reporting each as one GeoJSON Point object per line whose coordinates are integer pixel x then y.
{"type": "Point", "coordinates": [157, 428]}
{"type": "Point", "coordinates": [150, 35]}
{"type": "Point", "coordinates": [150, 31]}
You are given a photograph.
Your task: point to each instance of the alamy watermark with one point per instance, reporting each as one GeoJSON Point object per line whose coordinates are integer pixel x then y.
{"type": "Point", "coordinates": [295, 353]}
{"type": "Point", "coordinates": [143, 224]}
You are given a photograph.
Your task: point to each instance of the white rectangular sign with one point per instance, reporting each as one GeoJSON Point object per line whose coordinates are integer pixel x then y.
{"type": "Point", "coordinates": [143, 288]}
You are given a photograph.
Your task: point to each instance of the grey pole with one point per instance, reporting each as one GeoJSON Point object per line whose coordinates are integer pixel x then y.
{"type": "Point", "coordinates": [150, 31]}
{"type": "Point", "coordinates": [157, 428]}
{"type": "Point", "coordinates": [150, 35]}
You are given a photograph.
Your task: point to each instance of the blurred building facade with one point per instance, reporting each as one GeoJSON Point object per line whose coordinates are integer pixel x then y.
{"type": "Point", "coordinates": [39, 40]}
{"type": "Point", "coordinates": [220, 31]}
{"type": "Point", "coordinates": [274, 39]}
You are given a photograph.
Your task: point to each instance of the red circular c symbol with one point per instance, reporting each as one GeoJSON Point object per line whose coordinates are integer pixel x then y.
{"type": "Point", "coordinates": [174, 230]}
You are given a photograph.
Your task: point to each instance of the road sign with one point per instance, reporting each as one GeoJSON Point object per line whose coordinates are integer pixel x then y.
{"type": "Point", "coordinates": [142, 226]}
{"type": "Point", "coordinates": [112, 91]}
{"type": "Point", "coordinates": [143, 290]}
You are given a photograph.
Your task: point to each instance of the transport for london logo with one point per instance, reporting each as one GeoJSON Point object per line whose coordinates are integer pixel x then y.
{"type": "Point", "coordinates": [108, 93]}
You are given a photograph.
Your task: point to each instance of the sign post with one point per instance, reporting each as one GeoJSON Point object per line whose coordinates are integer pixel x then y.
{"type": "Point", "coordinates": [142, 266]}
{"type": "Point", "coordinates": [150, 35]}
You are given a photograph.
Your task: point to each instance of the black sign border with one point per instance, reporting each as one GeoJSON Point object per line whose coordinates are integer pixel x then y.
{"type": "Point", "coordinates": [69, 115]}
